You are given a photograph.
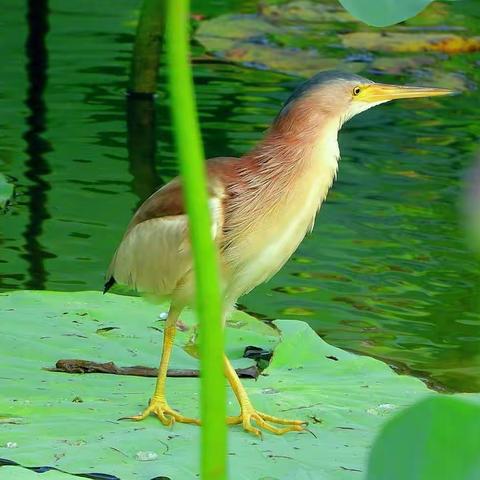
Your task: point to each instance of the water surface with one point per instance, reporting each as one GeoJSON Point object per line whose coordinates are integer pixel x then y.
{"type": "Point", "coordinates": [387, 271]}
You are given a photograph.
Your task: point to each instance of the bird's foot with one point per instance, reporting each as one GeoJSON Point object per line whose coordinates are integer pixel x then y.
{"type": "Point", "coordinates": [263, 420]}
{"type": "Point", "coordinates": [167, 415]}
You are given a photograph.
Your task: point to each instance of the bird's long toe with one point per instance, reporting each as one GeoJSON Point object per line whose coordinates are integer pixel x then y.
{"type": "Point", "coordinates": [264, 421]}
{"type": "Point", "coordinates": [167, 415]}
{"type": "Point", "coordinates": [282, 421]}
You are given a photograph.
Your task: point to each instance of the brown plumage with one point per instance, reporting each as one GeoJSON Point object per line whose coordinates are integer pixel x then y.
{"type": "Point", "coordinates": [253, 197]}
{"type": "Point", "coordinates": [261, 206]}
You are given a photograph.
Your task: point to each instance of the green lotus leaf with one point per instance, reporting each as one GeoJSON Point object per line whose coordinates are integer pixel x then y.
{"type": "Point", "coordinates": [382, 13]}
{"type": "Point", "coordinates": [10, 473]}
{"type": "Point", "coordinates": [436, 438]}
{"type": "Point", "coordinates": [70, 421]}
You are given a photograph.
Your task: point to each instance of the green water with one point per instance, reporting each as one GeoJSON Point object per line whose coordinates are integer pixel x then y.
{"type": "Point", "coordinates": [387, 271]}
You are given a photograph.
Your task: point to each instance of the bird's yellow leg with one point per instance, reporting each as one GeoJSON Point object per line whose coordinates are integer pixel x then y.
{"type": "Point", "coordinates": [249, 414]}
{"type": "Point", "coordinates": [158, 404]}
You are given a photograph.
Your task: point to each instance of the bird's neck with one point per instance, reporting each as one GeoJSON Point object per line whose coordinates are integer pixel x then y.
{"type": "Point", "coordinates": [300, 143]}
{"type": "Point", "coordinates": [282, 182]}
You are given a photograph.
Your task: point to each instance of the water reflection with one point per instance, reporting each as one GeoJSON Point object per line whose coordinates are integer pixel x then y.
{"type": "Point", "coordinates": [36, 165]}
{"type": "Point", "coordinates": [471, 207]}
{"type": "Point", "coordinates": [142, 145]}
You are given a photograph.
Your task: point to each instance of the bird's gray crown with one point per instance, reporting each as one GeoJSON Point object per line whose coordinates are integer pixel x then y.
{"type": "Point", "coordinates": [322, 78]}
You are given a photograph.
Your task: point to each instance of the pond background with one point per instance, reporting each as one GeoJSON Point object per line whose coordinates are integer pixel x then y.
{"type": "Point", "coordinates": [388, 270]}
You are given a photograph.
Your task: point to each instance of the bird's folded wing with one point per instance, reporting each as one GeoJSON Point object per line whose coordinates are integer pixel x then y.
{"type": "Point", "coordinates": [154, 254]}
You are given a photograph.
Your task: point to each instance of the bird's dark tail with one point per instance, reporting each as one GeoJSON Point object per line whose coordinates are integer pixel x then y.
{"type": "Point", "coordinates": [109, 284]}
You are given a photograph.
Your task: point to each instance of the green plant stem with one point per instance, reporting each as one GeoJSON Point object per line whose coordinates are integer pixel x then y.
{"type": "Point", "coordinates": [192, 169]}
{"type": "Point", "coordinates": [146, 48]}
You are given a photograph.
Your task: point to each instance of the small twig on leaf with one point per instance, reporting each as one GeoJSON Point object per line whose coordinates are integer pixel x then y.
{"type": "Point", "coordinates": [87, 366]}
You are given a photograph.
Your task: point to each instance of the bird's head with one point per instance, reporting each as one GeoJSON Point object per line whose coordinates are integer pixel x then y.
{"type": "Point", "coordinates": [337, 96]}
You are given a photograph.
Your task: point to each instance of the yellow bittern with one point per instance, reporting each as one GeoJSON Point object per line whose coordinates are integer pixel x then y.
{"type": "Point", "coordinates": [261, 207]}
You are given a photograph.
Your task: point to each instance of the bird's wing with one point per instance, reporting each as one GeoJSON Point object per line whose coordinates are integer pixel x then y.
{"type": "Point", "coordinates": [154, 254]}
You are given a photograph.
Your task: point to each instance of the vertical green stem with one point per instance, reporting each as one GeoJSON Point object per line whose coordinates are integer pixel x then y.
{"type": "Point", "coordinates": [192, 169]}
{"type": "Point", "coordinates": [146, 48]}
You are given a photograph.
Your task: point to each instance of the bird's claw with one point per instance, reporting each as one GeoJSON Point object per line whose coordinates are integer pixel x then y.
{"type": "Point", "coordinates": [264, 421]}
{"type": "Point", "coordinates": [167, 415]}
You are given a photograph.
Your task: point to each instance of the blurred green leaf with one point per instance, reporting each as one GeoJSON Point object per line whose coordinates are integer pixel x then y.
{"type": "Point", "coordinates": [381, 13]}
{"type": "Point", "coordinates": [306, 11]}
{"type": "Point", "coordinates": [345, 397]}
{"type": "Point", "coordinates": [436, 439]}
{"type": "Point", "coordinates": [272, 40]}
{"type": "Point", "coordinates": [411, 42]}
{"type": "Point", "coordinates": [249, 41]}
{"type": "Point", "coordinates": [6, 191]}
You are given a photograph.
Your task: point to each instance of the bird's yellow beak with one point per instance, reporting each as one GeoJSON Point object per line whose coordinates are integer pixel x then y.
{"type": "Point", "coordinates": [381, 92]}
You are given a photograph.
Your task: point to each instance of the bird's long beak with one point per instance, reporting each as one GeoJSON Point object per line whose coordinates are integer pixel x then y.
{"type": "Point", "coordinates": [381, 92]}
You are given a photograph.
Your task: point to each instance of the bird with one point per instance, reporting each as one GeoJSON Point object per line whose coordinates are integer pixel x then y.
{"type": "Point", "coordinates": [261, 207]}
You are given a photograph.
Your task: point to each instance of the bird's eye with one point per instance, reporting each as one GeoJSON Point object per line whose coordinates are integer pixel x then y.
{"type": "Point", "coordinates": [356, 91]}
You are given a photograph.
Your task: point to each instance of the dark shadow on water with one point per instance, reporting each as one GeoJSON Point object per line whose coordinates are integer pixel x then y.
{"type": "Point", "coordinates": [142, 145]}
{"type": "Point", "coordinates": [36, 164]}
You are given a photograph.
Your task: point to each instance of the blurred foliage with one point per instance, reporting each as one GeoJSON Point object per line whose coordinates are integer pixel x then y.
{"type": "Point", "coordinates": [345, 397]}
{"type": "Point", "coordinates": [274, 41]}
{"type": "Point", "coordinates": [436, 439]}
{"type": "Point", "coordinates": [471, 203]}
{"type": "Point", "coordinates": [382, 13]}
{"type": "Point", "coordinates": [408, 43]}
{"type": "Point", "coordinates": [6, 191]}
